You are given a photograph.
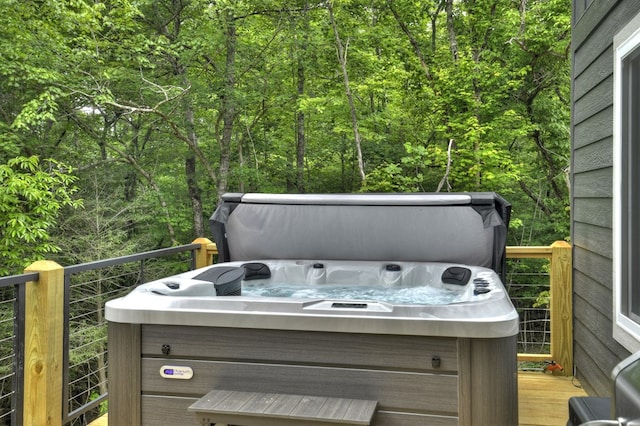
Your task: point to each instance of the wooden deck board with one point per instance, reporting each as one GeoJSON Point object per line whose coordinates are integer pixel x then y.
{"type": "Point", "coordinates": [542, 399]}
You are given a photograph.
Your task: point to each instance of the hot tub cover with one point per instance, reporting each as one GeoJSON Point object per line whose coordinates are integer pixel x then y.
{"type": "Point", "coordinates": [464, 228]}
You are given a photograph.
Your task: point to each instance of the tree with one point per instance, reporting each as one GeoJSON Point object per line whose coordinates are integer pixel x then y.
{"type": "Point", "coordinates": [32, 195]}
{"type": "Point", "coordinates": [186, 100]}
{"type": "Point", "coordinates": [342, 49]}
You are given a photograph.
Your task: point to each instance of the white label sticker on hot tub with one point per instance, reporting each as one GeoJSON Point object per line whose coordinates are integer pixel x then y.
{"type": "Point", "coordinates": [176, 372]}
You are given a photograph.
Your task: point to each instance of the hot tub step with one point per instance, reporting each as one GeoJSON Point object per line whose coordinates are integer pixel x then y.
{"type": "Point", "coordinates": [275, 409]}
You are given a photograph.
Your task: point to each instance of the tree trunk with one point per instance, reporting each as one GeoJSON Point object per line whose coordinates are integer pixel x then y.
{"type": "Point", "coordinates": [342, 58]}
{"type": "Point", "coordinates": [300, 116]}
{"type": "Point", "coordinates": [433, 16]}
{"type": "Point", "coordinates": [191, 172]}
{"type": "Point", "coordinates": [300, 136]}
{"type": "Point", "coordinates": [453, 42]}
{"type": "Point", "coordinates": [194, 195]}
{"type": "Point", "coordinates": [412, 40]}
{"type": "Point", "coordinates": [228, 105]}
{"type": "Point", "coordinates": [152, 183]}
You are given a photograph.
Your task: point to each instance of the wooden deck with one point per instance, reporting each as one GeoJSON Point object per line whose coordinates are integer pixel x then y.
{"type": "Point", "coordinates": [543, 399]}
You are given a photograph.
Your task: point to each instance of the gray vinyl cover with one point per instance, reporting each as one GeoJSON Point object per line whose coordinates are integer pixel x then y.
{"type": "Point", "coordinates": [466, 228]}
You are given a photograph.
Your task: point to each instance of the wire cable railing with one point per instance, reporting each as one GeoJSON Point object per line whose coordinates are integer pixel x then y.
{"type": "Point", "coordinates": [87, 288]}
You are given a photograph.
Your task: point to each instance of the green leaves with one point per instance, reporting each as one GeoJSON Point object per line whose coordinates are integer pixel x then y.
{"type": "Point", "coordinates": [32, 195]}
{"type": "Point", "coordinates": [40, 110]}
{"type": "Point", "coordinates": [127, 90]}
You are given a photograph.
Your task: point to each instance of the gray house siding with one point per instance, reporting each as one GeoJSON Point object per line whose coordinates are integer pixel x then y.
{"type": "Point", "coordinates": [595, 350]}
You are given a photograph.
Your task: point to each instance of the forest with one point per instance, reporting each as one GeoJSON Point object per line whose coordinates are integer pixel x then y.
{"type": "Point", "coordinates": [122, 122]}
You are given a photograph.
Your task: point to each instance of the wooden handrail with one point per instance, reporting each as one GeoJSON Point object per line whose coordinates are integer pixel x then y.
{"type": "Point", "coordinates": [532, 252]}
{"type": "Point", "coordinates": [561, 307]}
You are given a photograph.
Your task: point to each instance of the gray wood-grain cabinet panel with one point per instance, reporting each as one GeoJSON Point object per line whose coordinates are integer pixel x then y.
{"type": "Point", "coordinates": [299, 347]}
{"type": "Point", "coordinates": [167, 410]}
{"type": "Point", "coordinates": [399, 391]}
{"type": "Point", "coordinates": [399, 372]}
{"type": "Point", "coordinates": [124, 373]}
{"type": "Point", "coordinates": [171, 410]}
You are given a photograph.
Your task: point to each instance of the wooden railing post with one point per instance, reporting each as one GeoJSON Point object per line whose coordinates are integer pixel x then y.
{"type": "Point", "coordinates": [43, 347]}
{"type": "Point", "coordinates": [203, 254]}
{"type": "Point", "coordinates": [561, 305]}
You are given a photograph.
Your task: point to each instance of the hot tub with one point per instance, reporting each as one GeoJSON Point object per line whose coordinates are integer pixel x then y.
{"type": "Point", "coordinates": [363, 296]}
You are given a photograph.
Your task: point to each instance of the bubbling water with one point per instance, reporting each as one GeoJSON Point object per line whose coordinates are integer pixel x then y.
{"type": "Point", "coordinates": [416, 295]}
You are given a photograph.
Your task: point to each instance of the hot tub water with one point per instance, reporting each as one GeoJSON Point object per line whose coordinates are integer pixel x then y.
{"type": "Point", "coordinates": [398, 283]}
{"type": "Point", "coordinates": [415, 295]}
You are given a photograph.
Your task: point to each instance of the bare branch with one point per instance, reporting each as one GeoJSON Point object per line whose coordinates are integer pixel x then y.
{"type": "Point", "coordinates": [342, 59]}
{"type": "Point", "coordinates": [538, 200]}
{"type": "Point", "coordinates": [175, 130]}
{"type": "Point", "coordinates": [412, 40]}
{"type": "Point", "coordinates": [152, 183]}
{"type": "Point", "coordinates": [445, 178]}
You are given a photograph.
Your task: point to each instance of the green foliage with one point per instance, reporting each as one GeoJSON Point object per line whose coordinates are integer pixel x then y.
{"type": "Point", "coordinates": [144, 85]}
{"type": "Point", "coordinates": [31, 197]}
{"type": "Point", "coordinates": [543, 299]}
{"type": "Point", "coordinates": [103, 408]}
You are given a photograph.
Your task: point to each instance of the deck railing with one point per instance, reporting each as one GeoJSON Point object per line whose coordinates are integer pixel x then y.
{"type": "Point", "coordinates": [40, 376]}
{"type": "Point", "coordinates": [559, 255]}
{"type": "Point", "coordinates": [36, 385]}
